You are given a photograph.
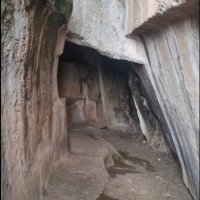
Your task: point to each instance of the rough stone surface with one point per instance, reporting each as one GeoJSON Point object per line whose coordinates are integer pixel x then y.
{"type": "Point", "coordinates": [143, 174]}
{"type": "Point", "coordinates": [140, 11]}
{"type": "Point", "coordinates": [116, 95]}
{"type": "Point", "coordinates": [168, 52]}
{"type": "Point", "coordinates": [69, 85]}
{"type": "Point", "coordinates": [83, 174]}
{"type": "Point", "coordinates": [33, 130]}
{"type": "Point", "coordinates": [101, 25]}
{"type": "Point", "coordinates": [88, 173]}
{"type": "Point", "coordinates": [79, 84]}
{"type": "Point", "coordinates": [159, 37]}
{"type": "Point", "coordinates": [149, 125]}
{"type": "Point", "coordinates": [98, 87]}
{"type": "Point", "coordinates": [173, 73]}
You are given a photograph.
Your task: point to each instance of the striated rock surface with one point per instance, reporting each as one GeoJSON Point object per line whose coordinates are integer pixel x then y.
{"type": "Point", "coordinates": [159, 38]}
{"type": "Point", "coordinates": [149, 123]}
{"type": "Point", "coordinates": [163, 38]}
{"type": "Point", "coordinates": [101, 25]}
{"type": "Point", "coordinates": [141, 11]}
{"type": "Point", "coordinates": [173, 74]}
{"type": "Point", "coordinates": [33, 117]}
{"type": "Point", "coordinates": [116, 96]}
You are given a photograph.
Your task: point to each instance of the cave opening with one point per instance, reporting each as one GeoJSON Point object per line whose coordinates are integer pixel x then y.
{"type": "Point", "coordinates": [97, 89]}
{"type": "Point", "coordinates": [107, 94]}
{"type": "Point", "coordinates": [111, 123]}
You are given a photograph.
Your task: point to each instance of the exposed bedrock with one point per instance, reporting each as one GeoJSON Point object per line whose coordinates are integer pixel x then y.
{"type": "Point", "coordinates": [163, 38]}
{"type": "Point", "coordinates": [149, 124]}
{"type": "Point", "coordinates": [33, 131]}
{"type": "Point", "coordinates": [142, 75]}
{"type": "Point", "coordinates": [173, 72]}
{"type": "Point", "coordinates": [96, 90]}
{"type": "Point", "coordinates": [105, 91]}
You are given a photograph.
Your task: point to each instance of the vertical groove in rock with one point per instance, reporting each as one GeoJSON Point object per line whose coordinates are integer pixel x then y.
{"type": "Point", "coordinates": [30, 145]}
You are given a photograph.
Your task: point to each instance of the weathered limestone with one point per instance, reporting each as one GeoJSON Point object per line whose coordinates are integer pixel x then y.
{"type": "Point", "coordinates": [82, 175]}
{"type": "Point", "coordinates": [33, 131]}
{"type": "Point", "coordinates": [69, 85]}
{"type": "Point", "coordinates": [79, 85]}
{"type": "Point", "coordinates": [176, 91]}
{"type": "Point", "coordinates": [98, 87]}
{"type": "Point", "coordinates": [165, 13]}
{"type": "Point", "coordinates": [101, 25]}
{"type": "Point", "coordinates": [99, 95]}
{"type": "Point", "coordinates": [164, 38]}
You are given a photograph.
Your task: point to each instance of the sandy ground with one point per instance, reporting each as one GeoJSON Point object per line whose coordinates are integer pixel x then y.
{"type": "Point", "coordinates": [94, 170]}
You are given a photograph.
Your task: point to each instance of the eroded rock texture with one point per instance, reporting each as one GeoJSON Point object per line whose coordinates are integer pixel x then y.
{"type": "Point", "coordinates": [33, 117]}
{"type": "Point", "coordinates": [101, 25]}
{"type": "Point", "coordinates": [155, 93]}
{"type": "Point", "coordinates": [149, 124]}
{"type": "Point", "coordinates": [163, 37]}
{"type": "Point", "coordinates": [96, 89]}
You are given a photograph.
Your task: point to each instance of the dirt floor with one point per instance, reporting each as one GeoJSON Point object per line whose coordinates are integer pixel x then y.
{"type": "Point", "coordinates": [114, 165]}
{"type": "Point", "coordinates": [144, 174]}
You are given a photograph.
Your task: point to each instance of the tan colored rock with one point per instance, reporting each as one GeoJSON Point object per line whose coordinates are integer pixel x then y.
{"type": "Point", "coordinates": [172, 83]}
{"type": "Point", "coordinates": [76, 113]}
{"type": "Point", "coordinates": [149, 125]}
{"type": "Point", "coordinates": [140, 11]}
{"type": "Point", "coordinates": [33, 116]}
{"type": "Point", "coordinates": [162, 36]}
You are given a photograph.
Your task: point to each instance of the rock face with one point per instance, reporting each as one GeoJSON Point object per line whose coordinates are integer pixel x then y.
{"type": "Point", "coordinates": [153, 89]}
{"type": "Point", "coordinates": [116, 97]}
{"type": "Point", "coordinates": [173, 71]}
{"type": "Point", "coordinates": [106, 91]}
{"type": "Point", "coordinates": [96, 90]}
{"type": "Point", "coordinates": [149, 123]}
{"type": "Point", "coordinates": [162, 37]}
{"type": "Point", "coordinates": [33, 116]}
{"type": "Point", "coordinates": [95, 22]}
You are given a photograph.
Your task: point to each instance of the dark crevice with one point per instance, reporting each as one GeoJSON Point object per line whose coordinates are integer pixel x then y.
{"type": "Point", "coordinates": [103, 196]}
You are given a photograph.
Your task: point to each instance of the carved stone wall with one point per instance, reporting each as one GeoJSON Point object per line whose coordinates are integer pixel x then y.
{"type": "Point", "coordinates": [33, 116]}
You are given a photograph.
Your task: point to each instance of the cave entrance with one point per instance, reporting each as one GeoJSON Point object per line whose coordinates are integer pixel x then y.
{"type": "Point", "coordinates": [96, 89]}
{"type": "Point", "coordinates": [107, 118]}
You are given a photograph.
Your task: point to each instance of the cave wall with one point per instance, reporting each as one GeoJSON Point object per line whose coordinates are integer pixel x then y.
{"type": "Point", "coordinates": [100, 90]}
{"type": "Point", "coordinates": [173, 72]}
{"type": "Point", "coordinates": [171, 81]}
{"type": "Point", "coordinates": [140, 11]}
{"type": "Point", "coordinates": [149, 123]}
{"type": "Point", "coordinates": [102, 25]}
{"type": "Point", "coordinates": [165, 42]}
{"type": "Point", "coordinates": [115, 95]}
{"type": "Point", "coordinates": [78, 83]}
{"type": "Point", "coordinates": [33, 131]}
{"type": "Point", "coordinates": [97, 92]}
{"type": "Point", "coordinates": [34, 116]}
